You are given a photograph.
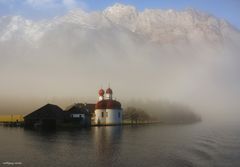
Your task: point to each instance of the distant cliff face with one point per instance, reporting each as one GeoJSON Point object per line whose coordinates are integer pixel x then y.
{"type": "Point", "coordinates": [185, 56]}
{"type": "Point", "coordinates": [164, 26]}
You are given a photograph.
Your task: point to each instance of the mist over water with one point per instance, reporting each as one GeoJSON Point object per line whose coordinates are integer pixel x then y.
{"type": "Point", "coordinates": [70, 61]}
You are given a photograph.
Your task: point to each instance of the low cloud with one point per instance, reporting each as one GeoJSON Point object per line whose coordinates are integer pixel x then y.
{"type": "Point", "coordinates": [83, 51]}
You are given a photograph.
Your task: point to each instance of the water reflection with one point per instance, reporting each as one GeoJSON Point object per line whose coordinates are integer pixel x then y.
{"type": "Point", "coordinates": [107, 143]}
{"type": "Point", "coordinates": [97, 146]}
{"type": "Point", "coordinates": [198, 145]}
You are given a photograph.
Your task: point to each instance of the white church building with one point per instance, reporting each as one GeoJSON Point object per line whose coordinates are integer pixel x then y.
{"type": "Point", "coordinates": [107, 110]}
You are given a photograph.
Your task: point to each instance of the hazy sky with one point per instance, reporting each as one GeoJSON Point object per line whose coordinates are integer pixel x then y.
{"type": "Point", "coordinates": [39, 9]}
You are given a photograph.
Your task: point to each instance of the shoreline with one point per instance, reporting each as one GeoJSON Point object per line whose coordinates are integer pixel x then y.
{"type": "Point", "coordinates": [21, 124]}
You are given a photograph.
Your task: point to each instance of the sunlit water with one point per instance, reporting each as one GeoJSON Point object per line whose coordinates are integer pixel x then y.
{"type": "Point", "coordinates": [199, 144]}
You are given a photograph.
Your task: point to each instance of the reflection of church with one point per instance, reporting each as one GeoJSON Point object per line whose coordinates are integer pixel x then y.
{"type": "Point", "coordinates": [106, 144]}
{"type": "Point", "coordinates": [107, 110]}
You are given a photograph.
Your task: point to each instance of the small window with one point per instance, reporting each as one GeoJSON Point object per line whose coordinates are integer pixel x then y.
{"type": "Point", "coordinates": [102, 114]}
{"type": "Point", "coordinates": [119, 115]}
{"type": "Point", "coordinates": [106, 114]}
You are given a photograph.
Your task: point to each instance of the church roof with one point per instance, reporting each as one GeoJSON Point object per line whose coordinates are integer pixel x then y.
{"type": "Point", "coordinates": [108, 104]}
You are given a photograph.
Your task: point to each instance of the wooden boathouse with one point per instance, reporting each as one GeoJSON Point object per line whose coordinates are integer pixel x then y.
{"type": "Point", "coordinates": [48, 116]}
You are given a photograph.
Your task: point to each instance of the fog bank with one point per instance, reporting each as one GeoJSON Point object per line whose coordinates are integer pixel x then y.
{"type": "Point", "coordinates": [70, 61]}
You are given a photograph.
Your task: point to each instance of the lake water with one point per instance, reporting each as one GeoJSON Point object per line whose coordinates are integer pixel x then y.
{"type": "Point", "coordinates": [198, 144]}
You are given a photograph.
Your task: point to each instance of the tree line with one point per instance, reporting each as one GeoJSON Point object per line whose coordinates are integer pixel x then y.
{"type": "Point", "coordinates": [135, 115]}
{"type": "Point", "coordinates": [165, 113]}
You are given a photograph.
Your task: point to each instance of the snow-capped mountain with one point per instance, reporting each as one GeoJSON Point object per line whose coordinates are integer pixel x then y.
{"type": "Point", "coordinates": [162, 26]}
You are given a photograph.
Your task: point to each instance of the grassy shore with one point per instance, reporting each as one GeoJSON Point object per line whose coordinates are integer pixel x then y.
{"type": "Point", "coordinates": [11, 118]}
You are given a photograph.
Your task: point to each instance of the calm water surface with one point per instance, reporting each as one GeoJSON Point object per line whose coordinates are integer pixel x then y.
{"type": "Point", "coordinates": [199, 144]}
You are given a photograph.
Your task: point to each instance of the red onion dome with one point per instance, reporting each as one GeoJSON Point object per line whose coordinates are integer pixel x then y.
{"type": "Point", "coordinates": [101, 105]}
{"type": "Point", "coordinates": [109, 91]}
{"type": "Point", "coordinates": [113, 104]}
{"type": "Point", "coordinates": [101, 92]}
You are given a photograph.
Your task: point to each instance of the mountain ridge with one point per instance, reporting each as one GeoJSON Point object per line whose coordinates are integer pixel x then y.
{"type": "Point", "coordinates": [163, 26]}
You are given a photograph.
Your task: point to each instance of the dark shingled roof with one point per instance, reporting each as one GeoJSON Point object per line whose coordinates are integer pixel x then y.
{"type": "Point", "coordinates": [49, 111]}
{"type": "Point", "coordinates": [81, 108]}
{"type": "Point", "coordinates": [77, 109]}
